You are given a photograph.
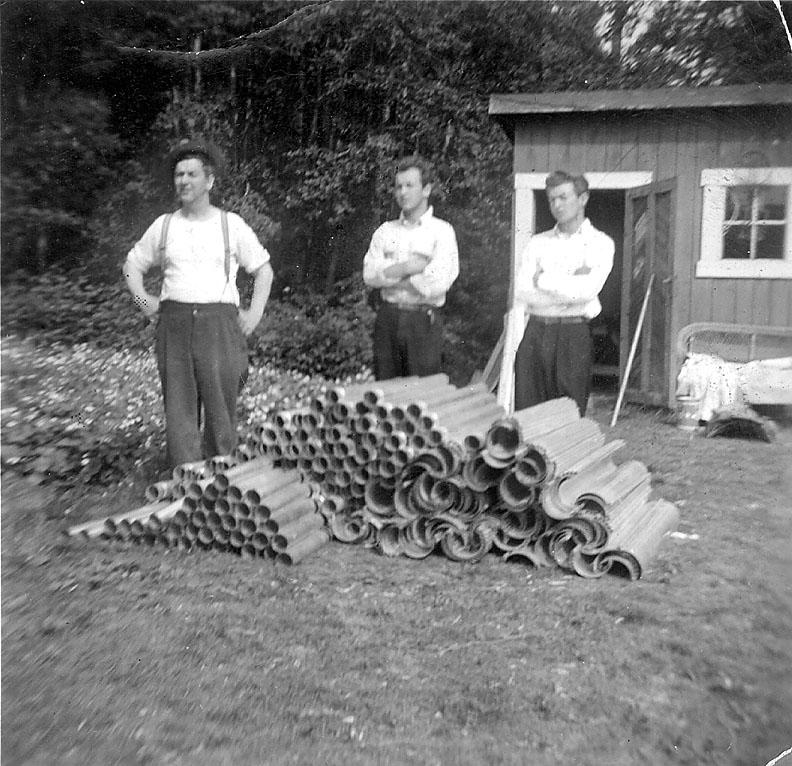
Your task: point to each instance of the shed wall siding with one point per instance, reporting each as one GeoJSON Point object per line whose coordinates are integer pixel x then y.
{"type": "Point", "coordinates": [675, 145]}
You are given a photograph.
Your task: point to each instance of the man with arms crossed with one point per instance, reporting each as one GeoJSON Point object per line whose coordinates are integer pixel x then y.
{"type": "Point", "coordinates": [414, 261]}
{"type": "Point", "coordinates": [559, 278]}
{"type": "Point", "coordinates": [201, 349]}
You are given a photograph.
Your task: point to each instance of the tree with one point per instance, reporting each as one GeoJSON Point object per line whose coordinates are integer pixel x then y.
{"type": "Point", "coordinates": [56, 159]}
{"type": "Point", "coordinates": [707, 43]}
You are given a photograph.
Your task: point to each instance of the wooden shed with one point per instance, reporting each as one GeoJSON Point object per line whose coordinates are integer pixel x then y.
{"type": "Point", "coordinates": [695, 187]}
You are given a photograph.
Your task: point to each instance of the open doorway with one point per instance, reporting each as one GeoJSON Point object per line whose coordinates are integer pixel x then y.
{"type": "Point", "coordinates": [606, 210]}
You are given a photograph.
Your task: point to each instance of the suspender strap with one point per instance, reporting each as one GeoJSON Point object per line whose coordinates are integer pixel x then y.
{"type": "Point", "coordinates": [226, 240]}
{"type": "Point", "coordinates": [226, 243]}
{"type": "Point", "coordinates": [164, 237]}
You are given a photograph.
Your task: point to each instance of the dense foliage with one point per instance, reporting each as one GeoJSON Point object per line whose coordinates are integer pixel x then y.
{"type": "Point", "coordinates": [306, 332]}
{"type": "Point", "coordinates": [56, 160]}
{"type": "Point", "coordinates": [316, 333]}
{"type": "Point", "coordinates": [62, 308]}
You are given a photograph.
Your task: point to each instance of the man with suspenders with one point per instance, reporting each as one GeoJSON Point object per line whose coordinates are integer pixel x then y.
{"type": "Point", "coordinates": [201, 329]}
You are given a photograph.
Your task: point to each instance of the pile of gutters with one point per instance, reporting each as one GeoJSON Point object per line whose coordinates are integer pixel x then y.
{"type": "Point", "coordinates": [412, 465]}
{"type": "Point", "coordinates": [244, 504]}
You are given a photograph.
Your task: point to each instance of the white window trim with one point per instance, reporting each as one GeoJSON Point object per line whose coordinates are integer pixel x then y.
{"type": "Point", "coordinates": [607, 180]}
{"type": "Point", "coordinates": [714, 182]}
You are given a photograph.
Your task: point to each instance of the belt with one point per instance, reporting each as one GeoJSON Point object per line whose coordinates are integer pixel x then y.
{"type": "Point", "coordinates": [557, 320]}
{"type": "Point", "coordinates": [169, 306]}
{"type": "Point", "coordinates": [422, 307]}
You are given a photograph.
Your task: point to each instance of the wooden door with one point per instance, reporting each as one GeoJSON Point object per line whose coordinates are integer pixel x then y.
{"type": "Point", "coordinates": [648, 241]}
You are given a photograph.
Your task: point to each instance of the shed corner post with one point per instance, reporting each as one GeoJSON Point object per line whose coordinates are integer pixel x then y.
{"type": "Point", "coordinates": [523, 225]}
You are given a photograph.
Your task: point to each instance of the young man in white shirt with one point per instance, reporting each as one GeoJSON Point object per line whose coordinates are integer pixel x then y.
{"type": "Point", "coordinates": [413, 261]}
{"type": "Point", "coordinates": [201, 348]}
{"type": "Point", "coordinates": [559, 277]}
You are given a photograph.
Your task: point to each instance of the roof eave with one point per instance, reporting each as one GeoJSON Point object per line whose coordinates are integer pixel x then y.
{"type": "Point", "coordinates": [566, 102]}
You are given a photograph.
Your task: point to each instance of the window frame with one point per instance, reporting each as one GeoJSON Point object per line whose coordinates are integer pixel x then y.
{"type": "Point", "coordinates": [711, 263]}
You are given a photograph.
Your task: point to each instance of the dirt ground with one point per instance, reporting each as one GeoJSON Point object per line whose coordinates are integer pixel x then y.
{"type": "Point", "coordinates": [133, 655]}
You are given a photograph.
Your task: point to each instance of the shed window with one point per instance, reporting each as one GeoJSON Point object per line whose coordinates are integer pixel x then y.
{"type": "Point", "coordinates": [746, 223]}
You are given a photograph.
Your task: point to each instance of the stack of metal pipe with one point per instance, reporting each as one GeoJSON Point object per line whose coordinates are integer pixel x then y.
{"type": "Point", "coordinates": [411, 466]}
{"type": "Point", "coordinates": [248, 506]}
{"type": "Point", "coordinates": [414, 465]}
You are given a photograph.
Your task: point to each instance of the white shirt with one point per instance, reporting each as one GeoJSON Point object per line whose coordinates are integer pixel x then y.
{"type": "Point", "coordinates": [395, 241]}
{"type": "Point", "coordinates": [194, 267]}
{"type": "Point", "coordinates": [571, 268]}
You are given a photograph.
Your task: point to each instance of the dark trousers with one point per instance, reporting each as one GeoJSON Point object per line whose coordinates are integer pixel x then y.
{"type": "Point", "coordinates": [553, 360]}
{"type": "Point", "coordinates": [407, 342]}
{"type": "Point", "coordinates": [202, 362]}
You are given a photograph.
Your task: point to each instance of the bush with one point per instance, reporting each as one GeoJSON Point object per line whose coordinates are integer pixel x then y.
{"type": "Point", "coordinates": [313, 333]}
{"type": "Point", "coordinates": [463, 353]}
{"type": "Point", "coordinates": [69, 308]}
{"type": "Point", "coordinates": [307, 332]}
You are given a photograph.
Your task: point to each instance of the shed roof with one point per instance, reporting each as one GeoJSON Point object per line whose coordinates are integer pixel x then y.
{"type": "Point", "coordinates": [503, 104]}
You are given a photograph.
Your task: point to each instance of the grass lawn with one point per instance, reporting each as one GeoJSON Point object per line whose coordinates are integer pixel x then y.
{"type": "Point", "coordinates": [133, 655]}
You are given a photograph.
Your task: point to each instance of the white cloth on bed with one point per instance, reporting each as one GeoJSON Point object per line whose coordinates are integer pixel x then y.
{"type": "Point", "coordinates": [719, 384]}
{"type": "Point", "coordinates": [767, 381]}
{"type": "Point", "coordinates": [713, 381]}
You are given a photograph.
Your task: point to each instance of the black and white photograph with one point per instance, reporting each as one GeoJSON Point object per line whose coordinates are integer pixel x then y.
{"type": "Point", "coordinates": [396, 382]}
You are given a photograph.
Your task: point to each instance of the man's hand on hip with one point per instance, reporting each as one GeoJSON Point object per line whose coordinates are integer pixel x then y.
{"type": "Point", "coordinates": [148, 304]}
{"type": "Point", "coordinates": [248, 320]}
